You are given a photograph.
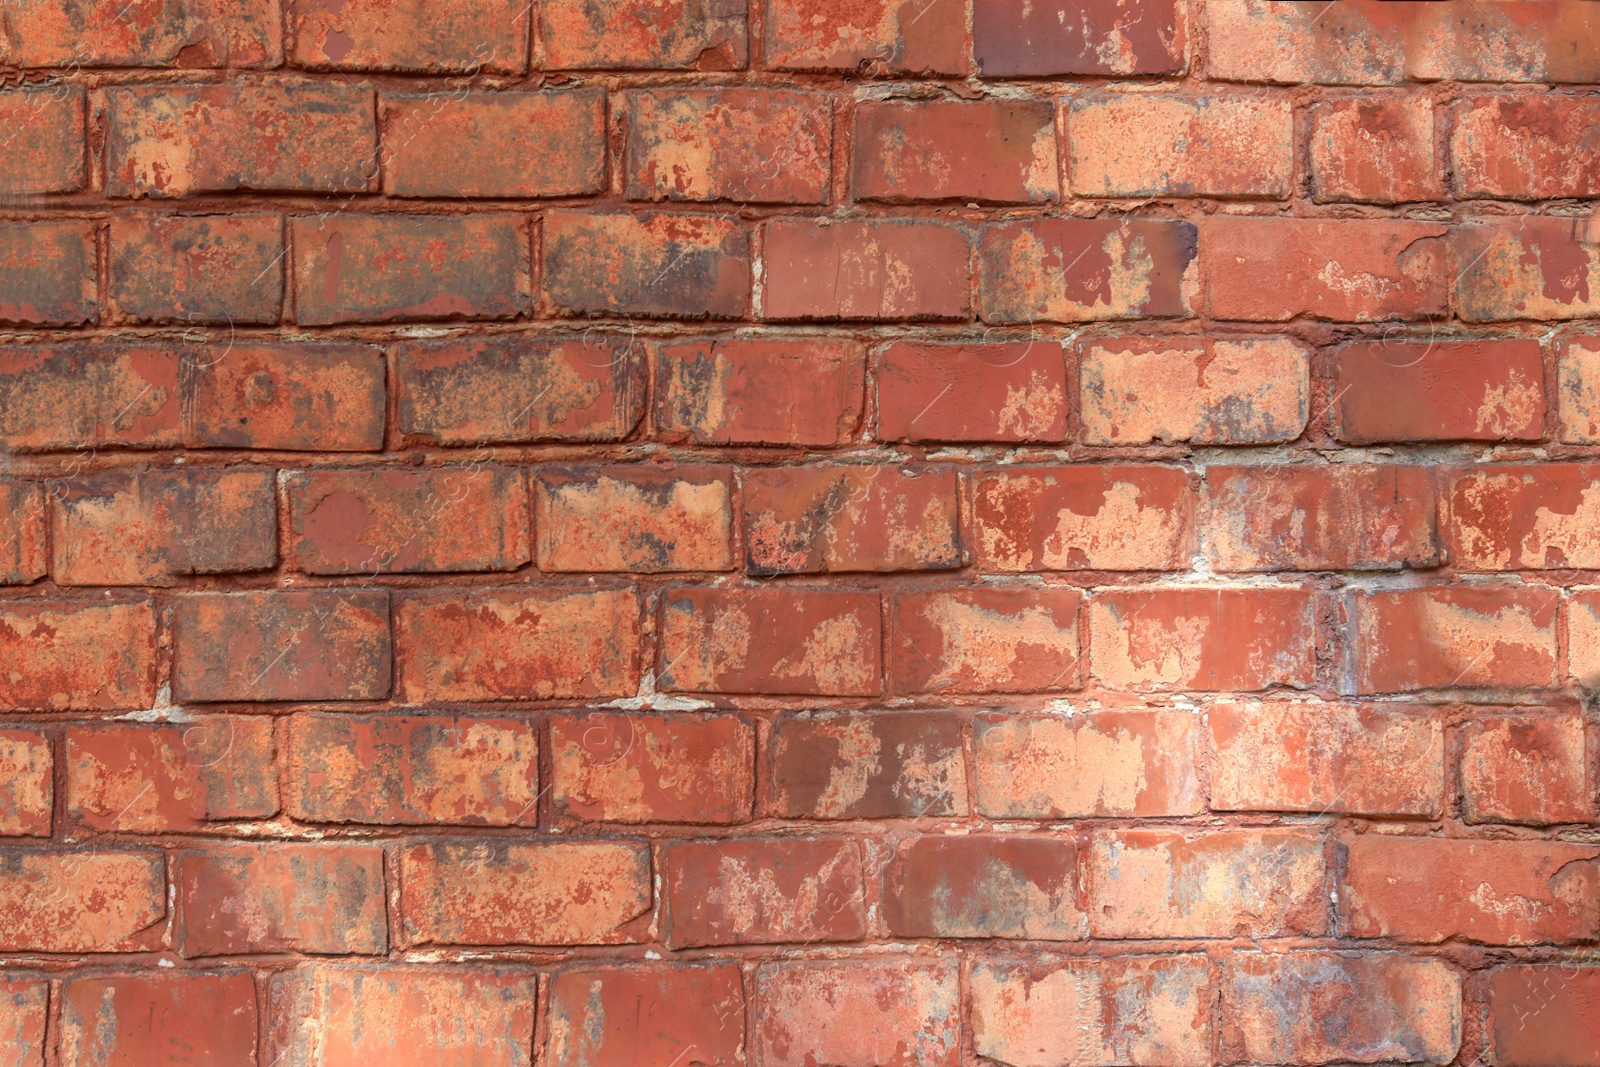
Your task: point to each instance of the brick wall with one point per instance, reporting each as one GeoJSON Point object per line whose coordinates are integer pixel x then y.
{"type": "Point", "coordinates": [837, 532]}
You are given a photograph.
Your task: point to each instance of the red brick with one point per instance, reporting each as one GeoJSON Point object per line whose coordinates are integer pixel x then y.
{"type": "Point", "coordinates": [1326, 1007]}
{"type": "Point", "coordinates": [23, 555]}
{"type": "Point", "coordinates": [1319, 518]}
{"type": "Point", "coordinates": [398, 521]}
{"type": "Point", "coordinates": [1239, 391]}
{"type": "Point", "coordinates": [155, 777]}
{"type": "Point", "coordinates": [759, 392]}
{"type": "Point", "coordinates": [1371, 269]}
{"type": "Point", "coordinates": [647, 1015]}
{"type": "Point", "coordinates": [183, 140]}
{"type": "Point", "coordinates": [1137, 144]}
{"type": "Point", "coordinates": [865, 269]}
{"type": "Point", "coordinates": [410, 770]}
{"type": "Point", "coordinates": [81, 900]}
{"type": "Point", "coordinates": [1525, 518]}
{"type": "Point", "coordinates": [1493, 892]}
{"type": "Point", "coordinates": [1198, 638]}
{"type": "Point", "coordinates": [1446, 638]}
{"type": "Point", "coordinates": [160, 1020]}
{"type": "Point", "coordinates": [221, 269]}
{"type": "Point", "coordinates": [847, 34]}
{"type": "Point", "coordinates": [1439, 391]}
{"type": "Point", "coordinates": [469, 36]}
{"type": "Point", "coordinates": [27, 791]}
{"type": "Point", "coordinates": [1531, 268]}
{"type": "Point", "coordinates": [103, 33]}
{"type": "Point", "coordinates": [1526, 769]}
{"type": "Point", "coordinates": [1525, 147]}
{"type": "Point", "coordinates": [763, 891]}
{"type": "Point", "coordinates": [1321, 758]}
{"type": "Point", "coordinates": [283, 397]}
{"type": "Point", "coordinates": [882, 1013]}
{"type": "Point", "coordinates": [655, 265]}
{"type": "Point", "coordinates": [502, 144]}
{"type": "Point", "coordinates": [1136, 763]}
{"type": "Point", "coordinates": [834, 518]}
{"type": "Point", "coordinates": [995, 150]}
{"type": "Point", "coordinates": [149, 527]}
{"type": "Point", "coordinates": [1578, 390]}
{"type": "Point", "coordinates": [1544, 1015]}
{"type": "Point", "coordinates": [634, 518]}
{"type": "Point", "coordinates": [983, 392]}
{"type": "Point", "coordinates": [1226, 883]}
{"type": "Point", "coordinates": [546, 893]}
{"type": "Point", "coordinates": [43, 134]}
{"type": "Point", "coordinates": [515, 644]}
{"type": "Point", "coordinates": [883, 765]}
{"type": "Point", "coordinates": [1130, 1009]}
{"type": "Point", "coordinates": [1016, 38]}
{"type": "Point", "coordinates": [987, 639]}
{"type": "Point", "coordinates": [633, 768]}
{"type": "Point", "coordinates": [88, 397]}
{"type": "Point", "coordinates": [392, 268]}
{"type": "Point", "coordinates": [48, 273]}
{"type": "Point", "coordinates": [1084, 518]}
{"type": "Point", "coordinates": [673, 35]}
{"type": "Point", "coordinates": [77, 655]}
{"type": "Point", "coordinates": [326, 1016]}
{"type": "Point", "coordinates": [754, 145]}
{"type": "Point", "coordinates": [1085, 270]}
{"type": "Point", "coordinates": [1377, 149]}
{"type": "Point", "coordinates": [24, 1006]}
{"type": "Point", "coordinates": [984, 885]}
{"type": "Point", "coordinates": [519, 388]}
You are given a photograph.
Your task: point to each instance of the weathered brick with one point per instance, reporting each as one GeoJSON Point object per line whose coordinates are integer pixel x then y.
{"type": "Point", "coordinates": [23, 510]}
{"type": "Point", "coordinates": [1427, 890]}
{"type": "Point", "coordinates": [847, 34]}
{"type": "Point", "coordinates": [156, 777]}
{"type": "Point", "coordinates": [656, 265]}
{"type": "Point", "coordinates": [1226, 883]}
{"type": "Point", "coordinates": [1438, 391]}
{"type": "Point", "coordinates": [1134, 763]}
{"type": "Point", "coordinates": [1532, 267]}
{"type": "Point", "coordinates": [1085, 270]}
{"type": "Point", "coordinates": [88, 397]}
{"type": "Point", "coordinates": [410, 770]}
{"type": "Point", "coordinates": [1526, 769]}
{"type": "Point", "coordinates": [1377, 149]}
{"type": "Point", "coordinates": [24, 1007]}
{"type": "Point", "coordinates": [48, 273]}
{"type": "Point", "coordinates": [546, 893]}
{"type": "Point", "coordinates": [1543, 1015]}
{"type": "Point", "coordinates": [1320, 758]}
{"type": "Point", "coordinates": [759, 392]}
{"type": "Point", "coordinates": [865, 269]}
{"type": "Point", "coordinates": [634, 768]}
{"type": "Point", "coordinates": [424, 36]}
{"type": "Point", "coordinates": [984, 885]}
{"type": "Point", "coordinates": [148, 527]}
{"type": "Point", "coordinates": [995, 150]}
{"type": "Point", "coordinates": [42, 131]}
{"type": "Point", "coordinates": [1240, 391]}
{"type": "Point", "coordinates": [1525, 518]}
{"type": "Point", "coordinates": [1583, 637]}
{"type": "Point", "coordinates": [318, 898]}
{"type": "Point", "coordinates": [1315, 518]}
{"type": "Point", "coordinates": [829, 519]}
{"type": "Point", "coordinates": [1016, 38]}
{"type": "Point", "coordinates": [324, 644]}
{"type": "Point", "coordinates": [183, 140]}
{"type": "Point", "coordinates": [77, 655]}
{"type": "Point", "coordinates": [786, 640]}
{"type": "Point", "coordinates": [1140, 144]}
{"type": "Point", "coordinates": [217, 269]}
{"type": "Point", "coordinates": [612, 1015]}
{"type": "Point", "coordinates": [519, 388]}
{"type": "Point", "coordinates": [882, 1013]}
{"type": "Point", "coordinates": [1006, 392]}
{"type": "Point", "coordinates": [1445, 638]}
{"type": "Point", "coordinates": [285, 397]}
{"type": "Point", "coordinates": [104, 33]}
{"type": "Point", "coordinates": [1371, 269]}
{"type": "Point", "coordinates": [752, 145]}
{"type": "Point", "coordinates": [988, 639]}
{"type": "Point", "coordinates": [670, 35]}
{"type": "Point", "coordinates": [751, 892]}
{"type": "Point", "coordinates": [884, 765]}
{"type": "Point", "coordinates": [160, 1020]}
{"type": "Point", "coordinates": [27, 787]}
{"type": "Point", "coordinates": [81, 900]}
{"type": "Point", "coordinates": [633, 518]}
{"type": "Point", "coordinates": [512, 644]}
{"type": "Point", "coordinates": [387, 268]}
{"type": "Point", "coordinates": [502, 144]}
{"type": "Point", "coordinates": [1525, 147]}
{"type": "Point", "coordinates": [1084, 518]}
{"type": "Point", "coordinates": [1578, 390]}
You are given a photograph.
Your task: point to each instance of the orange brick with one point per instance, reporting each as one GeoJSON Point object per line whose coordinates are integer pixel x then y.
{"type": "Point", "coordinates": [1525, 518]}
{"type": "Point", "coordinates": [1526, 769]}
{"type": "Point", "coordinates": [1084, 518]}
{"type": "Point", "coordinates": [72, 655]}
{"type": "Point", "coordinates": [647, 1015]}
{"type": "Point", "coordinates": [888, 1013]}
{"type": "Point", "coordinates": [751, 145]}
{"type": "Point", "coordinates": [633, 518]}
{"type": "Point", "coordinates": [1445, 638]}
{"type": "Point", "coordinates": [634, 768]}
{"type": "Point", "coordinates": [986, 639]}
{"type": "Point", "coordinates": [1141, 144]}
{"type": "Point", "coordinates": [82, 900]}
{"type": "Point", "coordinates": [27, 785]}
{"type": "Point", "coordinates": [1377, 149]}
{"type": "Point", "coordinates": [828, 519]}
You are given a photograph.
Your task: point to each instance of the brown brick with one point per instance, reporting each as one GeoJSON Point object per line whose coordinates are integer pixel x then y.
{"type": "Point", "coordinates": [748, 392]}
{"type": "Point", "coordinates": [468, 36]}
{"type": "Point", "coordinates": [999, 151]}
{"type": "Point", "coordinates": [883, 765]}
{"type": "Point", "coordinates": [751, 145]}
{"type": "Point", "coordinates": [633, 518]}
{"type": "Point", "coordinates": [27, 789]}
{"type": "Point", "coordinates": [77, 655]}
{"type": "Point", "coordinates": [1018, 38]}
{"type": "Point", "coordinates": [860, 269]}
{"type": "Point", "coordinates": [634, 768]}
{"type": "Point", "coordinates": [984, 885]}
{"type": "Point", "coordinates": [676, 35]}
{"type": "Point", "coordinates": [642, 1014]}
{"type": "Point", "coordinates": [1007, 392]}
{"type": "Point", "coordinates": [1084, 518]}
{"type": "Point", "coordinates": [845, 34]}
{"type": "Point", "coordinates": [655, 265]}
{"type": "Point", "coordinates": [1084, 270]}
{"type": "Point", "coordinates": [752, 892]}
{"type": "Point", "coordinates": [222, 269]}
{"type": "Point", "coordinates": [285, 397]}
{"type": "Point", "coordinates": [43, 134]}
{"type": "Point", "coordinates": [48, 273]}
{"type": "Point", "coordinates": [986, 639]}
{"type": "Point", "coordinates": [1141, 144]}
{"type": "Point", "coordinates": [81, 900]}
